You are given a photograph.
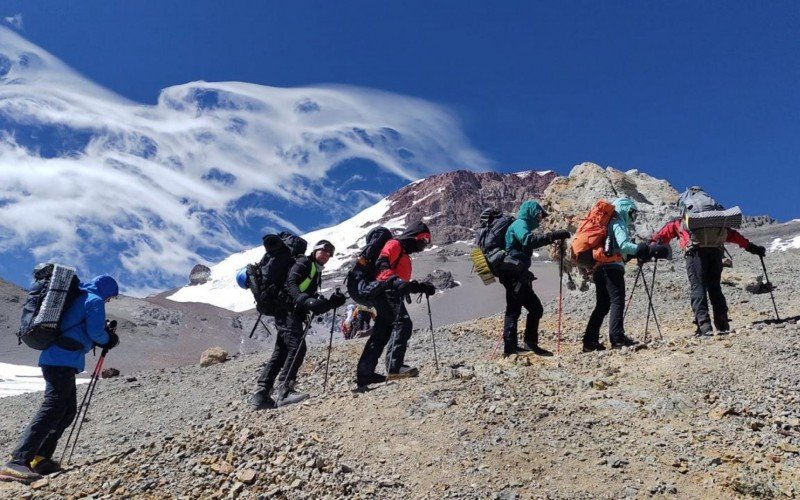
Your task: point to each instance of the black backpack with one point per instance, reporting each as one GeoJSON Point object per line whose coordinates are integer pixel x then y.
{"type": "Point", "coordinates": [491, 238]}
{"type": "Point", "coordinates": [54, 289]}
{"type": "Point", "coordinates": [361, 284]}
{"type": "Point", "coordinates": [266, 278]}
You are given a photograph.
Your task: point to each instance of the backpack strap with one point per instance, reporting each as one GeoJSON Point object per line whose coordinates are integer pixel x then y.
{"type": "Point", "coordinates": [307, 282]}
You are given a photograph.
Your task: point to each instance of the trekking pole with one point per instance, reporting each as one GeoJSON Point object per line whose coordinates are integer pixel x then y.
{"type": "Point", "coordinates": [650, 308]}
{"type": "Point", "coordinates": [433, 337]}
{"type": "Point", "coordinates": [560, 293]}
{"type": "Point", "coordinates": [652, 292]}
{"type": "Point", "coordinates": [769, 285]}
{"type": "Point", "coordinates": [83, 409]}
{"type": "Point", "coordinates": [630, 299]}
{"type": "Point", "coordinates": [309, 319]}
{"type": "Point", "coordinates": [330, 346]}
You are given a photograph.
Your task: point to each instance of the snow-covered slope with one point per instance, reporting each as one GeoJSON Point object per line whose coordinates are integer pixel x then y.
{"type": "Point", "coordinates": [145, 191]}
{"type": "Point", "coordinates": [221, 289]}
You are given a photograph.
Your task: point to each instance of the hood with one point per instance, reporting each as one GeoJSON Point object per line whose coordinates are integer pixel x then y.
{"type": "Point", "coordinates": [529, 212]}
{"type": "Point", "coordinates": [623, 207]}
{"type": "Point", "coordinates": [104, 286]}
{"type": "Point", "coordinates": [409, 238]}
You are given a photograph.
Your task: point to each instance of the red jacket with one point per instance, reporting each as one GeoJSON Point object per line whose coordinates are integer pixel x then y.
{"type": "Point", "coordinates": [675, 229]}
{"type": "Point", "coordinates": [399, 262]}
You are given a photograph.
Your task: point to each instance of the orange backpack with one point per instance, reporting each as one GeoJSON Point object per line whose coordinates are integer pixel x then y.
{"type": "Point", "coordinates": [587, 244]}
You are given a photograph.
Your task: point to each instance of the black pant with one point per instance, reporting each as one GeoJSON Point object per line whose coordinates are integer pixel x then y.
{"type": "Point", "coordinates": [704, 268]}
{"type": "Point", "coordinates": [393, 326]}
{"type": "Point", "coordinates": [289, 342]}
{"type": "Point", "coordinates": [520, 294]}
{"type": "Point", "coordinates": [54, 416]}
{"type": "Point", "coordinates": [609, 284]}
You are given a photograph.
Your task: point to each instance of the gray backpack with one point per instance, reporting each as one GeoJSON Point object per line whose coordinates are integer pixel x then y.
{"type": "Point", "coordinates": [694, 201]}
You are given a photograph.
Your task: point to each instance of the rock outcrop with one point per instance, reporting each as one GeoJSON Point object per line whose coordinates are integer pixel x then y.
{"type": "Point", "coordinates": [450, 203]}
{"type": "Point", "coordinates": [199, 274]}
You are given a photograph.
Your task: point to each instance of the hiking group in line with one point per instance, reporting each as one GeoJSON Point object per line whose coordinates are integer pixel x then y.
{"type": "Point", "coordinates": [286, 282]}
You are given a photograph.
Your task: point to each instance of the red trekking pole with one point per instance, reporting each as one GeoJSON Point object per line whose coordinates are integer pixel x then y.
{"type": "Point", "coordinates": [80, 416]}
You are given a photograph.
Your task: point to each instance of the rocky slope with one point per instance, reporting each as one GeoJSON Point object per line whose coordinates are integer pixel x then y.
{"type": "Point", "coordinates": [681, 418]}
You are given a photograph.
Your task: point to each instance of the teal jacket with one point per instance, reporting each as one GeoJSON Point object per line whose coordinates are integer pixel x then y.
{"type": "Point", "coordinates": [520, 240]}
{"type": "Point", "coordinates": [619, 227]}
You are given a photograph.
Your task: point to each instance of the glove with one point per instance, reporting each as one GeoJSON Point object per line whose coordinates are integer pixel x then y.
{"type": "Point", "coordinates": [658, 251]}
{"type": "Point", "coordinates": [414, 287]}
{"type": "Point", "coordinates": [642, 252]}
{"type": "Point", "coordinates": [316, 306]}
{"type": "Point", "coordinates": [337, 299]}
{"type": "Point", "coordinates": [558, 235]}
{"type": "Point", "coordinates": [113, 340]}
{"type": "Point", "coordinates": [400, 286]}
{"type": "Point", "coordinates": [427, 288]}
{"type": "Point", "coordinates": [756, 249]}
{"type": "Point", "coordinates": [111, 326]}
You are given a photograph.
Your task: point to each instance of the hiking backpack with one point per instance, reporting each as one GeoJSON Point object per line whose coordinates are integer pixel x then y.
{"type": "Point", "coordinates": [705, 219]}
{"type": "Point", "coordinates": [266, 279]}
{"type": "Point", "coordinates": [361, 284]}
{"type": "Point", "coordinates": [492, 238]}
{"type": "Point", "coordinates": [53, 290]}
{"type": "Point", "coordinates": [592, 244]}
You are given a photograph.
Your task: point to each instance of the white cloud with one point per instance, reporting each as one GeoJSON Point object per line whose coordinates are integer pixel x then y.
{"type": "Point", "coordinates": [164, 181]}
{"type": "Point", "coordinates": [15, 21]}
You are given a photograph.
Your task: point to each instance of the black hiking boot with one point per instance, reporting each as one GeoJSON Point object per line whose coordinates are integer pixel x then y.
{"type": "Point", "coordinates": [625, 341]}
{"type": "Point", "coordinates": [534, 349]}
{"type": "Point", "coordinates": [261, 400]}
{"type": "Point", "coordinates": [44, 466]}
{"type": "Point", "coordinates": [593, 346]}
{"type": "Point", "coordinates": [723, 326]}
{"type": "Point", "coordinates": [372, 378]}
{"type": "Point", "coordinates": [704, 330]}
{"type": "Point", "coordinates": [404, 372]}
{"type": "Point", "coordinates": [15, 471]}
{"type": "Point", "coordinates": [289, 396]}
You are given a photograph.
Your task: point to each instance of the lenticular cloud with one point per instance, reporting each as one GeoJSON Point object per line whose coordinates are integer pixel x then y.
{"type": "Point", "coordinates": [86, 173]}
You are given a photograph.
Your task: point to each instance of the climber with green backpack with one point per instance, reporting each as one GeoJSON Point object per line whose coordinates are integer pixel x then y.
{"type": "Point", "coordinates": [702, 231]}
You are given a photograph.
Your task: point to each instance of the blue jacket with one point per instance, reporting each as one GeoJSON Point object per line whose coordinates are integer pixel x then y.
{"type": "Point", "coordinates": [83, 321]}
{"type": "Point", "coordinates": [620, 227]}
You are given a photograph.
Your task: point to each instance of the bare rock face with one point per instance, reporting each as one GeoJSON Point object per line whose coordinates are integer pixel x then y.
{"type": "Point", "coordinates": [199, 274]}
{"type": "Point", "coordinates": [213, 356]}
{"type": "Point", "coordinates": [451, 203]}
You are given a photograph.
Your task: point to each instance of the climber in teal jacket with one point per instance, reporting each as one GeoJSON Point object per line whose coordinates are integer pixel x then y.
{"type": "Point", "coordinates": [609, 279]}
{"type": "Point", "coordinates": [521, 240]}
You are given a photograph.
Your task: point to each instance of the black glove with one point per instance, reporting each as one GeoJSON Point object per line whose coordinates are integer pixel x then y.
{"type": "Point", "coordinates": [427, 288]}
{"type": "Point", "coordinates": [113, 340]}
{"type": "Point", "coordinates": [111, 326]}
{"type": "Point", "coordinates": [561, 234]}
{"type": "Point", "coordinates": [642, 252]}
{"type": "Point", "coordinates": [337, 299]}
{"type": "Point", "coordinates": [756, 249]}
{"type": "Point", "coordinates": [414, 287]}
{"type": "Point", "coordinates": [399, 285]}
{"type": "Point", "coordinates": [658, 251]}
{"type": "Point", "coordinates": [316, 306]}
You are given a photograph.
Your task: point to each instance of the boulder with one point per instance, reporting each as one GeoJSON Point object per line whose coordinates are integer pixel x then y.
{"type": "Point", "coordinates": [110, 373]}
{"type": "Point", "coordinates": [442, 280]}
{"type": "Point", "coordinates": [199, 274]}
{"type": "Point", "coordinates": [213, 356]}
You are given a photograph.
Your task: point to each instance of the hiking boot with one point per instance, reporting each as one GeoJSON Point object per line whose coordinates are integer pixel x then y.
{"type": "Point", "coordinates": [404, 372]}
{"type": "Point", "coordinates": [625, 341]}
{"type": "Point", "coordinates": [44, 466]}
{"type": "Point", "coordinates": [372, 378]}
{"type": "Point", "coordinates": [723, 327]}
{"type": "Point", "coordinates": [290, 396]}
{"type": "Point", "coordinates": [538, 350]}
{"type": "Point", "coordinates": [261, 400]}
{"type": "Point", "coordinates": [15, 471]}
{"type": "Point", "coordinates": [704, 330]}
{"type": "Point", "coordinates": [593, 346]}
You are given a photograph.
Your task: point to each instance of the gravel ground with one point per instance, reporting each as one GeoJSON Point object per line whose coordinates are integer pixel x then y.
{"type": "Point", "coordinates": [680, 418]}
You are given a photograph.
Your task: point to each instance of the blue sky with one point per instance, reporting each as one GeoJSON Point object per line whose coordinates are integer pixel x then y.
{"type": "Point", "coordinates": [696, 92]}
